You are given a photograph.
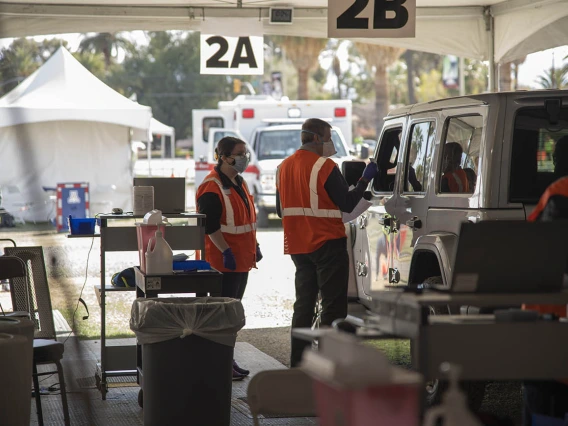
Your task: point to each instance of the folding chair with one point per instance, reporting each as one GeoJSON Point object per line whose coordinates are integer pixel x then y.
{"type": "Point", "coordinates": [286, 392]}
{"type": "Point", "coordinates": [30, 293]}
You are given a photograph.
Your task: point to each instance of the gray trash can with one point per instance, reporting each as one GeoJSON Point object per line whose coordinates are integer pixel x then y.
{"type": "Point", "coordinates": [187, 352]}
{"type": "Point", "coordinates": [16, 361]}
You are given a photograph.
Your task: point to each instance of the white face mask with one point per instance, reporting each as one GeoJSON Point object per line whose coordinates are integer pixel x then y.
{"type": "Point", "coordinates": [329, 149]}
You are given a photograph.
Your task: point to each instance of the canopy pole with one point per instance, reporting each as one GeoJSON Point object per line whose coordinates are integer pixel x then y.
{"type": "Point", "coordinates": [490, 27]}
{"type": "Point", "coordinates": [462, 75]}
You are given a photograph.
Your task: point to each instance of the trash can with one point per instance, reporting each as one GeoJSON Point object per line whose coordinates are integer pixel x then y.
{"type": "Point", "coordinates": [187, 353]}
{"type": "Point", "coordinates": [16, 361]}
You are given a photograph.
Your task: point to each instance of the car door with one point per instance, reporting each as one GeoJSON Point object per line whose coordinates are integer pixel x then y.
{"type": "Point", "coordinates": [415, 165]}
{"type": "Point", "coordinates": [373, 245]}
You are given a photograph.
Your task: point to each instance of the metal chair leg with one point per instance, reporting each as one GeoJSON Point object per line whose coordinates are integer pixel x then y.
{"type": "Point", "coordinates": [63, 394]}
{"type": "Point", "coordinates": [37, 393]}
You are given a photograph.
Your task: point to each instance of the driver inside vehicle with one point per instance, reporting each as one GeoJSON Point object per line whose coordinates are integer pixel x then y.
{"type": "Point", "coordinates": [454, 179]}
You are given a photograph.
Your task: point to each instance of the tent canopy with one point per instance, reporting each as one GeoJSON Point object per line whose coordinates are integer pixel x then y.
{"type": "Point", "coordinates": [158, 128]}
{"type": "Point", "coordinates": [62, 89]}
{"type": "Point", "coordinates": [494, 30]}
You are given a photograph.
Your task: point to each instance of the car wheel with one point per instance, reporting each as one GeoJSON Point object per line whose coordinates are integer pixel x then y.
{"type": "Point", "coordinates": [435, 389]}
{"type": "Point", "coordinates": [262, 218]}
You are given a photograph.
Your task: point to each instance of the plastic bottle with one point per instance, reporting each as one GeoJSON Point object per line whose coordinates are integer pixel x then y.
{"type": "Point", "coordinates": [159, 256]}
{"type": "Point", "coordinates": [453, 410]}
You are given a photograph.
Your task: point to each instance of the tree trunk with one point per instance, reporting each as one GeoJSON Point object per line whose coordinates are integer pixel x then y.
{"type": "Point", "coordinates": [505, 77]}
{"type": "Point", "coordinates": [408, 58]}
{"type": "Point", "coordinates": [381, 97]}
{"type": "Point", "coordinates": [303, 83]}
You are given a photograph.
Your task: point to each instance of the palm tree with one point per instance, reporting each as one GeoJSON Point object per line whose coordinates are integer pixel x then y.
{"type": "Point", "coordinates": [380, 58]}
{"type": "Point", "coordinates": [303, 53]}
{"type": "Point", "coordinates": [554, 78]}
{"type": "Point", "coordinates": [105, 43]}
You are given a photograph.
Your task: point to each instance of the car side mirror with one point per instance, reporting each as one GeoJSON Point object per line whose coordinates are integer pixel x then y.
{"type": "Point", "coordinates": [352, 171]}
{"type": "Point", "coordinates": [364, 152]}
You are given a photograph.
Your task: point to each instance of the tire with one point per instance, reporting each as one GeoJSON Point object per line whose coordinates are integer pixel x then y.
{"type": "Point", "coordinates": [435, 389]}
{"type": "Point", "coordinates": [141, 398]}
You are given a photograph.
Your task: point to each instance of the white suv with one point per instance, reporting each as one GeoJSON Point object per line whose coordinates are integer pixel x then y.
{"type": "Point", "coordinates": [271, 145]}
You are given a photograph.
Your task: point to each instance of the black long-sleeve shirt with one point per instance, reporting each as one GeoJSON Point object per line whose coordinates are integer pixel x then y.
{"type": "Point", "coordinates": [210, 204]}
{"type": "Point", "coordinates": [338, 190]}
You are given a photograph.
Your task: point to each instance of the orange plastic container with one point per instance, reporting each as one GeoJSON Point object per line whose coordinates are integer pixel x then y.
{"type": "Point", "coordinates": [388, 405]}
{"type": "Point", "coordinates": [144, 233]}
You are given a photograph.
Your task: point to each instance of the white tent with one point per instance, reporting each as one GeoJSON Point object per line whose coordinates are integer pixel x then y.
{"type": "Point", "coordinates": [63, 125]}
{"type": "Point", "coordinates": [494, 30]}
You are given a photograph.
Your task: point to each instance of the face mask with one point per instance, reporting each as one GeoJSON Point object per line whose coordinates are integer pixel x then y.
{"type": "Point", "coordinates": [329, 149]}
{"type": "Point", "coordinates": [241, 163]}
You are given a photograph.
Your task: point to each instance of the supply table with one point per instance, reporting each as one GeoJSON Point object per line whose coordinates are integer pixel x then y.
{"type": "Point", "coordinates": [485, 348]}
{"type": "Point", "coordinates": [118, 233]}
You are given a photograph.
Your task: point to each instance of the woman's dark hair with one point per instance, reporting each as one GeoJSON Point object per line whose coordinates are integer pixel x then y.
{"type": "Point", "coordinates": [225, 147]}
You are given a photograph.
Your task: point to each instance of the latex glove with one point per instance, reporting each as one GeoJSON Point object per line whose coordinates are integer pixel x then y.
{"type": "Point", "coordinates": [229, 261]}
{"type": "Point", "coordinates": [258, 253]}
{"type": "Point", "coordinates": [370, 171]}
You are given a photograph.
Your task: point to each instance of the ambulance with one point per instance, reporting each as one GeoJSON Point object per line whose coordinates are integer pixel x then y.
{"type": "Point", "coordinates": [241, 116]}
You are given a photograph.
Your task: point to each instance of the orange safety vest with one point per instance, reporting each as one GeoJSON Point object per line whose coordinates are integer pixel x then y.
{"type": "Point", "coordinates": [238, 225]}
{"type": "Point", "coordinates": [560, 187]}
{"type": "Point", "coordinates": [309, 216]}
{"type": "Point", "coordinates": [457, 181]}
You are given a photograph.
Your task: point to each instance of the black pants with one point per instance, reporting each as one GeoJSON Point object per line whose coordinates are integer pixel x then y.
{"type": "Point", "coordinates": [325, 270]}
{"type": "Point", "coordinates": [548, 398]}
{"type": "Point", "coordinates": [234, 284]}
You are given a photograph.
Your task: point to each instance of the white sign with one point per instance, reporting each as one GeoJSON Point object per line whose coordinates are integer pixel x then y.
{"type": "Point", "coordinates": [371, 18]}
{"type": "Point", "coordinates": [232, 55]}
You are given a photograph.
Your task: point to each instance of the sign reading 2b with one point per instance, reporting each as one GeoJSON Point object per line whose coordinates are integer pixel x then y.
{"type": "Point", "coordinates": [371, 18]}
{"type": "Point", "coordinates": [232, 55]}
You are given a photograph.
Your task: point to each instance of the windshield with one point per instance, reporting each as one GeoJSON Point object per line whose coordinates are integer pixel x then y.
{"type": "Point", "coordinates": [280, 144]}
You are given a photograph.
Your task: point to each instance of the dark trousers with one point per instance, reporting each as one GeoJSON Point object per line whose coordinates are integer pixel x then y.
{"type": "Point", "coordinates": [234, 284]}
{"type": "Point", "coordinates": [325, 270]}
{"type": "Point", "coordinates": [548, 398]}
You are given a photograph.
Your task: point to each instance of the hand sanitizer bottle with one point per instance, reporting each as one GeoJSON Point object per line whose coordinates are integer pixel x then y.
{"type": "Point", "coordinates": [159, 256]}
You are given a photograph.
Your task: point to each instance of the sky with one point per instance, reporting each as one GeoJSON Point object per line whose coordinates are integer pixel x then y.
{"type": "Point", "coordinates": [534, 65]}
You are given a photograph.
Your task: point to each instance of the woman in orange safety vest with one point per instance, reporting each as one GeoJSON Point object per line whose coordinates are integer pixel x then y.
{"type": "Point", "coordinates": [230, 244]}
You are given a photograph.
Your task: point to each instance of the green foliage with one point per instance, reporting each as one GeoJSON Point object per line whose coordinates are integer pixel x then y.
{"type": "Point", "coordinates": [165, 76]}
{"type": "Point", "coordinates": [22, 58]}
{"type": "Point", "coordinates": [554, 78]}
{"type": "Point", "coordinates": [94, 62]}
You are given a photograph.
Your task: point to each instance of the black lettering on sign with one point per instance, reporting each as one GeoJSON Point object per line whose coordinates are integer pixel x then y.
{"type": "Point", "coordinates": [349, 19]}
{"type": "Point", "coordinates": [248, 57]}
{"type": "Point", "coordinates": [380, 19]}
{"type": "Point", "coordinates": [214, 61]}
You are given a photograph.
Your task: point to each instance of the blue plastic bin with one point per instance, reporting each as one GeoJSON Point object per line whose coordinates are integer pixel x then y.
{"type": "Point", "coordinates": [82, 226]}
{"type": "Point", "coordinates": [192, 265]}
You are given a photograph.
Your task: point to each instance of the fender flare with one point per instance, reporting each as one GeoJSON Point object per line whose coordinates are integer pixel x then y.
{"type": "Point", "coordinates": [443, 246]}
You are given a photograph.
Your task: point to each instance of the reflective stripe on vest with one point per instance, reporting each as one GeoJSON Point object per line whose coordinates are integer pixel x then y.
{"type": "Point", "coordinates": [458, 182]}
{"type": "Point", "coordinates": [313, 210]}
{"type": "Point", "coordinates": [230, 227]}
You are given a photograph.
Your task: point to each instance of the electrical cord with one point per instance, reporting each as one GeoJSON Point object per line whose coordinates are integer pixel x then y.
{"type": "Point", "coordinates": [80, 300]}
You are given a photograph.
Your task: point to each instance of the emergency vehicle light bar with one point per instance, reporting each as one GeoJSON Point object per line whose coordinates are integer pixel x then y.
{"type": "Point", "coordinates": [248, 113]}
{"type": "Point", "coordinates": [340, 112]}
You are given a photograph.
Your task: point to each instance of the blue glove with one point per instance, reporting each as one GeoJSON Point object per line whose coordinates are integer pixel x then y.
{"type": "Point", "coordinates": [258, 253]}
{"type": "Point", "coordinates": [370, 171]}
{"type": "Point", "coordinates": [229, 261]}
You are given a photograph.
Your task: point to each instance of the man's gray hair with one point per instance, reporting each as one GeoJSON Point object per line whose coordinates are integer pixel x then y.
{"type": "Point", "coordinates": [313, 125]}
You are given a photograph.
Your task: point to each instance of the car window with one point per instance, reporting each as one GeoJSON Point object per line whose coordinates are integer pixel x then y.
{"type": "Point", "coordinates": [221, 134]}
{"type": "Point", "coordinates": [387, 157]}
{"type": "Point", "coordinates": [209, 122]}
{"type": "Point", "coordinates": [460, 154]}
{"type": "Point", "coordinates": [280, 144]}
{"type": "Point", "coordinates": [419, 157]}
{"type": "Point", "coordinates": [534, 140]}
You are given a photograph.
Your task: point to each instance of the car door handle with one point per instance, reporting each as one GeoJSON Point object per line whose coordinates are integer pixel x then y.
{"type": "Point", "coordinates": [414, 223]}
{"type": "Point", "coordinates": [385, 221]}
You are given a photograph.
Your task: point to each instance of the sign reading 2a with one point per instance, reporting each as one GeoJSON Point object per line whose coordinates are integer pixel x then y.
{"type": "Point", "coordinates": [232, 55]}
{"type": "Point", "coordinates": [371, 18]}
